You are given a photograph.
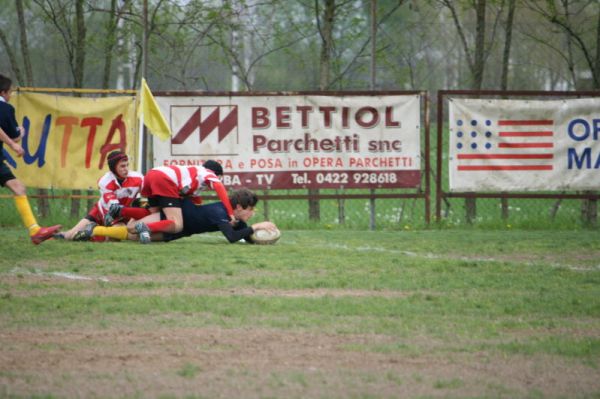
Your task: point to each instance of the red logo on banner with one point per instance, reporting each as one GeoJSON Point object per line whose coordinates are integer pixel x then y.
{"type": "Point", "coordinates": [207, 122]}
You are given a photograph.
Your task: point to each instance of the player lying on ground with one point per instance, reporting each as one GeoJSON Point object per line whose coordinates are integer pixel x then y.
{"type": "Point", "coordinates": [11, 133]}
{"type": "Point", "coordinates": [198, 219]}
{"type": "Point", "coordinates": [166, 187]}
{"type": "Point", "coordinates": [118, 187]}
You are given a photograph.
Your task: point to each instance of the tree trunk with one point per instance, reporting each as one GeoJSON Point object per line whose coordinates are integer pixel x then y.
{"type": "Point", "coordinates": [470, 209]}
{"type": "Point", "coordinates": [326, 34]}
{"type": "Point", "coordinates": [507, 44]}
{"type": "Point", "coordinates": [504, 79]}
{"type": "Point", "coordinates": [479, 61]}
{"type": "Point", "coordinates": [589, 211]}
{"type": "Point", "coordinates": [78, 74]}
{"type": "Point", "coordinates": [110, 42]}
{"type": "Point", "coordinates": [24, 42]}
{"type": "Point", "coordinates": [476, 62]}
{"type": "Point", "coordinates": [555, 207]}
{"type": "Point", "coordinates": [596, 72]}
{"type": "Point", "coordinates": [475, 57]}
{"type": "Point", "coordinates": [80, 38]}
{"type": "Point", "coordinates": [477, 75]}
{"type": "Point", "coordinates": [341, 209]}
{"type": "Point", "coordinates": [504, 208]}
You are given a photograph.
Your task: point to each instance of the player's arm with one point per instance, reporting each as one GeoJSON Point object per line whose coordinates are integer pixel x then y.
{"type": "Point", "coordinates": [108, 196]}
{"type": "Point", "coordinates": [9, 120]}
{"type": "Point", "coordinates": [12, 142]}
{"type": "Point", "coordinates": [242, 230]}
{"type": "Point", "coordinates": [234, 234]}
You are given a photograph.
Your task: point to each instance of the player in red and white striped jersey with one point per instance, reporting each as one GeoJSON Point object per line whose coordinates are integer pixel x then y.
{"type": "Point", "coordinates": [166, 186]}
{"type": "Point", "coordinates": [118, 186]}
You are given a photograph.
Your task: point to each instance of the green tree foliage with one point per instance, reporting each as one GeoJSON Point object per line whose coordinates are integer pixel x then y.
{"type": "Point", "coordinates": [276, 44]}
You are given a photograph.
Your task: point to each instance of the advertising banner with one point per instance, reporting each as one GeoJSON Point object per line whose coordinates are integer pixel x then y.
{"type": "Point", "coordinates": [297, 141]}
{"type": "Point", "coordinates": [67, 138]}
{"type": "Point", "coordinates": [523, 145]}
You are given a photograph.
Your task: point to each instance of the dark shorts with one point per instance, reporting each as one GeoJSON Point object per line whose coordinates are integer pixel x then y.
{"type": "Point", "coordinates": [171, 236]}
{"type": "Point", "coordinates": [164, 202]}
{"type": "Point", "coordinates": [5, 174]}
{"type": "Point", "coordinates": [95, 216]}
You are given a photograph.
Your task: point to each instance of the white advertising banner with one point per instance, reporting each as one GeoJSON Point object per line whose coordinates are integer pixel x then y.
{"type": "Point", "coordinates": [522, 145]}
{"type": "Point", "coordinates": [297, 141]}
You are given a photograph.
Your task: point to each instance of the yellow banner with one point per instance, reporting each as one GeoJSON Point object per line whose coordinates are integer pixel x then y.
{"type": "Point", "coordinates": [67, 138]}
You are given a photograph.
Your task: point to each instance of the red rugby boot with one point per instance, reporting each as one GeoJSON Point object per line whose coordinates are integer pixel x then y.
{"type": "Point", "coordinates": [44, 233]}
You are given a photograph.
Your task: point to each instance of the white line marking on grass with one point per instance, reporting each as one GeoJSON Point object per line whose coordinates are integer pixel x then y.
{"type": "Point", "coordinates": [463, 258]}
{"type": "Point", "coordinates": [73, 276]}
{"type": "Point", "coordinates": [67, 275]}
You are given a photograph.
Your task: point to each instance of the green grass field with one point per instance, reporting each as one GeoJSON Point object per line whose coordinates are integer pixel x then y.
{"type": "Point", "coordinates": [321, 314]}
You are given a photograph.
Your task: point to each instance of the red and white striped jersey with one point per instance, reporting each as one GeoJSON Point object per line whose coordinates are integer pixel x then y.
{"type": "Point", "coordinates": [111, 192]}
{"type": "Point", "coordinates": [190, 180]}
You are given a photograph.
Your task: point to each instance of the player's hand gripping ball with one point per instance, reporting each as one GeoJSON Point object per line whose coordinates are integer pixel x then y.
{"type": "Point", "coordinates": [266, 237]}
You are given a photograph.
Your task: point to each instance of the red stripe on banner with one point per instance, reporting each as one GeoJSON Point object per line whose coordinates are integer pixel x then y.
{"type": "Point", "coordinates": [526, 134]}
{"type": "Point", "coordinates": [472, 168]}
{"type": "Point", "coordinates": [505, 156]}
{"type": "Point", "coordinates": [528, 122]}
{"type": "Point", "coordinates": [526, 145]}
{"type": "Point", "coordinates": [296, 179]}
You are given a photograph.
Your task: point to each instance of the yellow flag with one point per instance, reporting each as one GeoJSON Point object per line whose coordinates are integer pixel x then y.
{"type": "Point", "coordinates": [149, 110]}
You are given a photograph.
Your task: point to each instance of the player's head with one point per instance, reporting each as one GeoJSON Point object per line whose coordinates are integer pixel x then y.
{"type": "Point", "coordinates": [214, 166]}
{"type": "Point", "coordinates": [243, 202]}
{"type": "Point", "coordinates": [5, 86]}
{"type": "Point", "coordinates": [118, 163]}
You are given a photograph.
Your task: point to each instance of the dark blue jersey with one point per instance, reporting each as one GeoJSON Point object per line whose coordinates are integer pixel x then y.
{"type": "Point", "coordinates": [198, 219]}
{"type": "Point", "coordinates": [8, 123]}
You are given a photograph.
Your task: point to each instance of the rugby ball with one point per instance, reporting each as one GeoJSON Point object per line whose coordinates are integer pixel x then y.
{"type": "Point", "coordinates": [265, 237]}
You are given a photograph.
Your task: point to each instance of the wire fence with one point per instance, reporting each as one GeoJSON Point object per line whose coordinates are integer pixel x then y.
{"type": "Point", "coordinates": [366, 213]}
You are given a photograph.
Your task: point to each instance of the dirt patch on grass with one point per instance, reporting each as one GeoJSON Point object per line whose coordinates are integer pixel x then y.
{"type": "Point", "coordinates": [161, 286]}
{"type": "Point", "coordinates": [255, 363]}
{"type": "Point", "coordinates": [21, 275]}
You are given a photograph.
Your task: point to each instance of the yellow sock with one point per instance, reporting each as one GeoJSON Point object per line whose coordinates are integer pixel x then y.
{"type": "Point", "coordinates": [116, 232]}
{"type": "Point", "coordinates": [24, 209]}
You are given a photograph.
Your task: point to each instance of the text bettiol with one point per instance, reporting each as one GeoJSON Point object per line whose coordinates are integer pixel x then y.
{"type": "Point", "coordinates": [287, 120]}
